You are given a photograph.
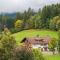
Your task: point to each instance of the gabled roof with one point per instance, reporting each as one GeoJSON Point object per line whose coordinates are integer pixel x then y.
{"type": "Point", "coordinates": [37, 40]}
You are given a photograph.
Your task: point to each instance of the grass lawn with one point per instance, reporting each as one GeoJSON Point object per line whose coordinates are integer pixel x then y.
{"type": "Point", "coordinates": [52, 57]}
{"type": "Point", "coordinates": [32, 33]}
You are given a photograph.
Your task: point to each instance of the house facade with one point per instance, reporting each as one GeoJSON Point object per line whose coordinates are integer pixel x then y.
{"type": "Point", "coordinates": [37, 42]}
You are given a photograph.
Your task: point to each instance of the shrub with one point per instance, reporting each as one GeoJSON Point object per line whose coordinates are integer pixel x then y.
{"type": "Point", "coordinates": [23, 54]}
{"type": "Point", "coordinates": [37, 55]}
{"type": "Point", "coordinates": [26, 54]}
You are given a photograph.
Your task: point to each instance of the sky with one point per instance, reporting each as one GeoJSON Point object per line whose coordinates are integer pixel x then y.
{"type": "Point", "coordinates": [21, 5]}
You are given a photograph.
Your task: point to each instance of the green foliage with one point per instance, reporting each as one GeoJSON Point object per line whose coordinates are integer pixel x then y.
{"type": "Point", "coordinates": [10, 22]}
{"type": "Point", "coordinates": [2, 54]}
{"type": "Point", "coordinates": [37, 55]}
{"type": "Point", "coordinates": [8, 42]}
{"type": "Point", "coordinates": [13, 30]}
{"type": "Point", "coordinates": [55, 23]}
{"type": "Point", "coordinates": [46, 18]}
{"type": "Point", "coordinates": [42, 18]}
{"type": "Point", "coordinates": [18, 25]}
{"type": "Point", "coordinates": [26, 54]}
{"type": "Point", "coordinates": [23, 54]}
{"type": "Point", "coordinates": [7, 46]}
{"type": "Point", "coordinates": [48, 14]}
{"type": "Point", "coordinates": [52, 44]}
{"type": "Point", "coordinates": [35, 22]}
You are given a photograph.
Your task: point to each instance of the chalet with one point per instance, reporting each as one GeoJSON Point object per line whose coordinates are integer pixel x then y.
{"type": "Point", "coordinates": [37, 42]}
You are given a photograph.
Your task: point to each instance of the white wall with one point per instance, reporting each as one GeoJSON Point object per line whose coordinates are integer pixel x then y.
{"type": "Point", "coordinates": [37, 46]}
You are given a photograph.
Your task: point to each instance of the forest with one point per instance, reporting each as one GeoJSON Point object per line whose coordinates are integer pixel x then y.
{"type": "Point", "coordinates": [46, 18]}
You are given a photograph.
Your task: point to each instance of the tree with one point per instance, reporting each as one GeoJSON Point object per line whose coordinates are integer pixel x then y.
{"type": "Point", "coordinates": [45, 16]}
{"type": "Point", "coordinates": [10, 22]}
{"type": "Point", "coordinates": [19, 16]}
{"type": "Point", "coordinates": [6, 31]}
{"type": "Point", "coordinates": [8, 45]}
{"type": "Point", "coordinates": [48, 14]}
{"type": "Point", "coordinates": [35, 21]}
{"type": "Point", "coordinates": [39, 12]}
{"type": "Point", "coordinates": [55, 23]}
{"type": "Point", "coordinates": [52, 44]}
{"type": "Point", "coordinates": [26, 16]}
{"type": "Point", "coordinates": [3, 20]}
{"type": "Point", "coordinates": [18, 25]}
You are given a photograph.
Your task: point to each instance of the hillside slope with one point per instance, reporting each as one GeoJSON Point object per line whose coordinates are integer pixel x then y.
{"type": "Point", "coordinates": [32, 33]}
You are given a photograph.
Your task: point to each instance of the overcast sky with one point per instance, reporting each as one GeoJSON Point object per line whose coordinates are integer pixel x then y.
{"type": "Point", "coordinates": [21, 5]}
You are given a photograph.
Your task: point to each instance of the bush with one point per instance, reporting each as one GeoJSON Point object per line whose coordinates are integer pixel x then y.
{"type": "Point", "coordinates": [23, 54]}
{"type": "Point", "coordinates": [37, 55]}
{"type": "Point", "coordinates": [26, 54]}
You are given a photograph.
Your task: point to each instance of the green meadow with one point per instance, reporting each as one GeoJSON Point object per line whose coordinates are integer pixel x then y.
{"type": "Point", "coordinates": [52, 57]}
{"type": "Point", "coordinates": [32, 33]}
